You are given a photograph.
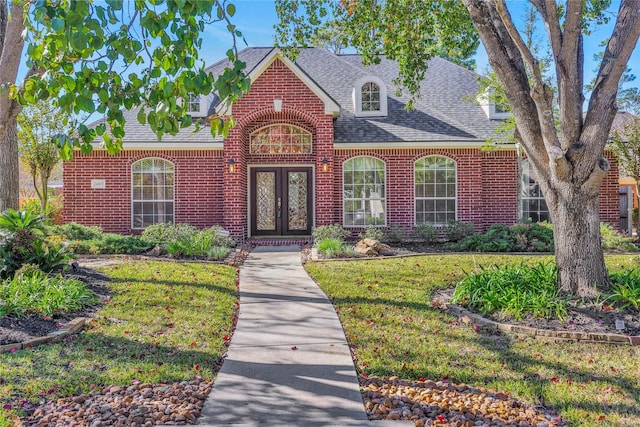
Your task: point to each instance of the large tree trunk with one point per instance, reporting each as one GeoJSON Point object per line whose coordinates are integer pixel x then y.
{"type": "Point", "coordinates": [9, 168]}
{"type": "Point", "coordinates": [578, 250]}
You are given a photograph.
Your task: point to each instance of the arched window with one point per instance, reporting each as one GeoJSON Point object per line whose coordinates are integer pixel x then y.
{"type": "Point", "coordinates": [435, 190]}
{"type": "Point", "coordinates": [370, 97]}
{"type": "Point", "coordinates": [152, 195]}
{"type": "Point", "coordinates": [278, 139]}
{"type": "Point", "coordinates": [364, 191]}
{"type": "Point", "coordinates": [533, 206]}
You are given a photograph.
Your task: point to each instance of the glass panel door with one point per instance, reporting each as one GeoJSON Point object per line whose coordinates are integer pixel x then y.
{"type": "Point", "coordinates": [265, 201]}
{"type": "Point", "coordinates": [297, 200]}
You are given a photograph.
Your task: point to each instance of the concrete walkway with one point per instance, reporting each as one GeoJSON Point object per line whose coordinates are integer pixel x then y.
{"type": "Point", "coordinates": [288, 362]}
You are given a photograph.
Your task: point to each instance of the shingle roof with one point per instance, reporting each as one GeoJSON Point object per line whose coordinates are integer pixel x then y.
{"type": "Point", "coordinates": [444, 111]}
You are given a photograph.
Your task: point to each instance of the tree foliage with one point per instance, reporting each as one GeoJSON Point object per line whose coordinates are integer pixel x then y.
{"type": "Point", "coordinates": [565, 148]}
{"type": "Point", "coordinates": [38, 124]}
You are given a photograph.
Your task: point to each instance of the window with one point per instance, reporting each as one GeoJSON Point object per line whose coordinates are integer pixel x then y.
{"type": "Point", "coordinates": [435, 190]}
{"type": "Point", "coordinates": [534, 207]}
{"type": "Point", "coordinates": [370, 97]}
{"type": "Point", "coordinates": [152, 195]}
{"type": "Point", "coordinates": [278, 139]}
{"type": "Point", "coordinates": [193, 105]}
{"type": "Point", "coordinates": [364, 191]}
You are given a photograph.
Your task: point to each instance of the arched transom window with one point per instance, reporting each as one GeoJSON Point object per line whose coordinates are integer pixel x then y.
{"type": "Point", "coordinates": [152, 195]}
{"type": "Point", "coordinates": [280, 139]}
{"type": "Point", "coordinates": [435, 190]}
{"type": "Point", "coordinates": [364, 191]}
{"type": "Point", "coordinates": [370, 97]}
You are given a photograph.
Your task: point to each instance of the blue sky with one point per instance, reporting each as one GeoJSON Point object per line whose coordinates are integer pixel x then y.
{"type": "Point", "coordinates": [256, 20]}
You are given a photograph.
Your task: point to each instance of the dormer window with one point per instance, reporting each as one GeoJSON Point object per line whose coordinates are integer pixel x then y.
{"type": "Point", "coordinates": [494, 110]}
{"type": "Point", "coordinates": [370, 97]}
{"type": "Point", "coordinates": [197, 106]}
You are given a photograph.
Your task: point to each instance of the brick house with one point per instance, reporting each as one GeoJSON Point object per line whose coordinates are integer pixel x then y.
{"type": "Point", "coordinates": [320, 141]}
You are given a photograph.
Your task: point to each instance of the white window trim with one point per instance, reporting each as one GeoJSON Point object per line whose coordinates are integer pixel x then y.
{"type": "Point", "coordinates": [415, 198]}
{"type": "Point", "coordinates": [204, 107]}
{"type": "Point", "coordinates": [133, 227]}
{"type": "Point", "coordinates": [521, 197]}
{"type": "Point", "coordinates": [386, 210]}
{"type": "Point", "coordinates": [489, 108]}
{"type": "Point", "coordinates": [356, 95]}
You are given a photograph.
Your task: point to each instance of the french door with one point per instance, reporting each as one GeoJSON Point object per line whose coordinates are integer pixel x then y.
{"type": "Point", "coordinates": [281, 203]}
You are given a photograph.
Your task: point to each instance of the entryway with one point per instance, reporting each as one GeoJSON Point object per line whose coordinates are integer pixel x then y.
{"type": "Point", "coordinates": [281, 202]}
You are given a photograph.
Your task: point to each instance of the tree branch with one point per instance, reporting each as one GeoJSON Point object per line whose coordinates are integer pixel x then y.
{"type": "Point", "coordinates": [10, 59]}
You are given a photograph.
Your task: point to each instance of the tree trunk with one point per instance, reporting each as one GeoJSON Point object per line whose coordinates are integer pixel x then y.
{"type": "Point", "coordinates": [9, 168]}
{"type": "Point", "coordinates": [576, 232]}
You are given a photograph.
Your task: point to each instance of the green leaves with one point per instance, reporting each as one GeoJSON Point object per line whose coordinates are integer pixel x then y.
{"type": "Point", "coordinates": [86, 50]}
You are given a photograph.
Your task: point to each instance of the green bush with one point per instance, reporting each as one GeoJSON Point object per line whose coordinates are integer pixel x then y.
{"type": "Point", "coordinates": [33, 291]}
{"type": "Point", "coordinates": [333, 232]}
{"type": "Point", "coordinates": [217, 253]}
{"type": "Point", "coordinates": [529, 237]}
{"type": "Point", "coordinates": [74, 231]}
{"type": "Point", "coordinates": [163, 234]}
{"type": "Point", "coordinates": [625, 289]}
{"type": "Point", "coordinates": [187, 240]}
{"type": "Point", "coordinates": [426, 232]}
{"type": "Point", "coordinates": [372, 232]}
{"type": "Point", "coordinates": [111, 243]}
{"type": "Point", "coordinates": [612, 240]}
{"type": "Point", "coordinates": [394, 234]}
{"type": "Point", "coordinates": [334, 248]}
{"type": "Point", "coordinates": [24, 243]}
{"type": "Point", "coordinates": [458, 230]}
{"type": "Point", "coordinates": [513, 291]}
{"type": "Point", "coordinates": [54, 209]}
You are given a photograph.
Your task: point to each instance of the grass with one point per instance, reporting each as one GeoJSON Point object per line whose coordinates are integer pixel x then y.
{"type": "Point", "coordinates": [166, 322]}
{"type": "Point", "coordinates": [36, 292]}
{"type": "Point", "coordinates": [386, 311]}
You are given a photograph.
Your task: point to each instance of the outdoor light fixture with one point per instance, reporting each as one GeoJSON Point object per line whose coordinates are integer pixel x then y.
{"type": "Point", "coordinates": [277, 105]}
{"type": "Point", "coordinates": [232, 166]}
{"type": "Point", "coordinates": [325, 165]}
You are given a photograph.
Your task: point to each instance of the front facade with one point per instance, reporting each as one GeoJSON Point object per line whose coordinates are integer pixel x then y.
{"type": "Point", "coordinates": [320, 141]}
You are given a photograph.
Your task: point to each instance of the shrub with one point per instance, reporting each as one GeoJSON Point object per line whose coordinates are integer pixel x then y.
{"type": "Point", "coordinates": [33, 291]}
{"type": "Point", "coordinates": [192, 241]}
{"type": "Point", "coordinates": [372, 232]}
{"type": "Point", "coordinates": [111, 243]}
{"type": "Point", "coordinates": [53, 213]}
{"type": "Point", "coordinates": [458, 230]}
{"type": "Point", "coordinates": [74, 231]}
{"type": "Point", "coordinates": [426, 232]}
{"type": "Point", "coordinates": [530, 237]}
{"type": "Point", "coordinates": [217, 253]}
{"type": "Point", "coordinates": [334, 248]}
{"type": "Point", "coordinates": [513, 291]}
{"type": "Point", "coordinates": [612, 240]}
{"type": "Point", "coordinates": [333, 232]}
{"type": "Point", "coordinates": [625, 289]}
{"type": "Point", "coordinates": [163, 234]}
{"type": "Point", "coordinates": [394, 234]}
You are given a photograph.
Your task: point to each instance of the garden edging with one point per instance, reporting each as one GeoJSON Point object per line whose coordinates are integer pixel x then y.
{"type": "Point", "coordinates": [467, 316]}
{"type": "Point", "coordinates": [67, 329]}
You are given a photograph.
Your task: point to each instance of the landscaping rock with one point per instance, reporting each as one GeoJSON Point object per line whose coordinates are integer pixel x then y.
{"type": "Point", "coordinates": [444, 404]}
{"type": "Point", "coordinates": [373, 247]}
{"type": "Point", "coordinates": [114, 406]}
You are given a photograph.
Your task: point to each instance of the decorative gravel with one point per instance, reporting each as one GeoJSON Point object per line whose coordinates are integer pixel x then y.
{"type": "Point", "coordinates": [441, 403]}
{"type": "Point", "coordinates": [136, 405]}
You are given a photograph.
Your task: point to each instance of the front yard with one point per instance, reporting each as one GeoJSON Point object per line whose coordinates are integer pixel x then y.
{"type": "Point", "coordinates": [385, 308]}
{"type": "Point", "coordinates": [166, 322]}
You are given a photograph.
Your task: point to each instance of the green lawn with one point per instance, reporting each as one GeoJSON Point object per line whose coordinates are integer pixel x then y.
{"type": "Point", "coordinates": [166, 322]}
{"type": "Point", "coordinates": [386, 311]}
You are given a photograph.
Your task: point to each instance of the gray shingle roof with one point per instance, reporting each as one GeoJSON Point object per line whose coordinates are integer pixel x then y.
{"type": "Point", "coordinates": [443, 112]}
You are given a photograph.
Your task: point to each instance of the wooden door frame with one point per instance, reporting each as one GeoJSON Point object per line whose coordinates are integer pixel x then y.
{"type": "Point", "coordinates": [281, 171]}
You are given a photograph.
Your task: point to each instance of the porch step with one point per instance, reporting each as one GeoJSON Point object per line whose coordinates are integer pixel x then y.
{"type": "Point", "coordinates": [280, 241]}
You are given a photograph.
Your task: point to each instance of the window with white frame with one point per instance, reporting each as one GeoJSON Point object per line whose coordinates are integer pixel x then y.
{"type": "Point", "coordinates": [435, 190]}
{"type": "Point", "coordinates": [363, 182]}
{"type": "Point", "coordinates": [370, 97]}
{"type": "Point", "coordinates": [532, 204]}
{"type": "Point", "coordinates": [193, 104]}
{"type": "Point", "coordinates": [152, 192]}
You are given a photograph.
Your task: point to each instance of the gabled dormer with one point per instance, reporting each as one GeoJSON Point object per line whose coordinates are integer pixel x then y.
{"type": "Point", "coordinates": [369, 97]}
{"type": "Point", "coordinates": [492, 109]}
{"type": "Point", "coordinates": [198, 105]}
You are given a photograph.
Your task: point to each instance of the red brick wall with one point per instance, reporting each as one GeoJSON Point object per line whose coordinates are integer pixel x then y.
{"type": "Point", "coordinates": [197, 188]}
{"type": "Point", "coordinates": [300, 107]}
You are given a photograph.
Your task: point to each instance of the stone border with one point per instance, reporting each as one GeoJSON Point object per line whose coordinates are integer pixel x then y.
{"type": "Point", "coordinates": [67, 329]}
{"type": "Point", "coordinates": [593, 337]}
{"type": "Point", "coordinates": [315, 257]}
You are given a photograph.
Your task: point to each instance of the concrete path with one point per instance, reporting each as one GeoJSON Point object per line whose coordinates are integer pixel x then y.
{"type": "Point", "coordinates": [288, 362]}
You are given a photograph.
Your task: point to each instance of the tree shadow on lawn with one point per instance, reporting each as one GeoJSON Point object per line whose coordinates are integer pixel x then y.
{"type": "Point", "coordinates": [176, 283]}
{"type": "Point", "coordinates": [92, 360]}
{"type": "Point", "coordinates": [518, 365]}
